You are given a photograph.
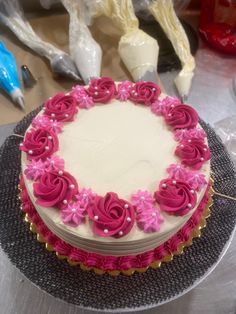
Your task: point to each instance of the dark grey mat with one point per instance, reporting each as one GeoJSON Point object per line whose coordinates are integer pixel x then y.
{"type": "Point", "coordinates": [105, 292]}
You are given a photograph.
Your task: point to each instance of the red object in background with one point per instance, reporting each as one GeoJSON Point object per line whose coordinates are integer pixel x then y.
{"type": "Point", "coordinates": [218, 24]}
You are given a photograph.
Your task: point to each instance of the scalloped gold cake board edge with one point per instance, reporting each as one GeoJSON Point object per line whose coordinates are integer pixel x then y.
{"type": "Point", "coordinates": [196, 233]}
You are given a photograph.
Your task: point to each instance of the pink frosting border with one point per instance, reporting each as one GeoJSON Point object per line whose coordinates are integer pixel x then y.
{"type": "Point", "coordinates": [109, 263]}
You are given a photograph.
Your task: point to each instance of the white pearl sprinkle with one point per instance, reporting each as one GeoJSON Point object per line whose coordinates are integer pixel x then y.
{"type": "Point", "coordinates": [120, 233]}
{"type": "Point", "coordinates": [164, 185]}
{"type": "Point", "coordinates": [96, 217]}
{"type": "Point", "coordinates": [105, 231]}
{"type": "Point", "coordinates": [52, 162]}
{"type": "Point", "coordinates": [60, 172]}
{"type": "Point", "coordinates": [51, 120]}
{"type": "Point", "coordinates": [53, 115]}
{"type": "Point", "coordinates": [189, 141]}
{"type": "Point", "coordinates": [46, 147]}
{"type": "Point", "coordinates": [154, 214]}
{"type": "Point", "coordinates": [174, 182]}
{"type": "Point", "coordinates": [192, 191]}
{"type": "Point", "coordinates": [66, 115]}
{"type": "Point", "coordinates": [126, 206]}
{"type": "Point", "coordinates": [21, 144]}
{"type": "Point", "coordinates": [153, 89]}
{"type": "Point", "coordinates": [34, 167]}
{"type": "Point", "coordinates": [96, 87]}
{"type": "Point", "coordinates": [72, 186]}
{"type": "Point", "coordinates": [172, 106]}
{"type": "Point", "coordinates": [189, 205]}
{"type": "Point", "coordinates": [65, 202]}
{"type": "Point", "coordinates": [50, 137]}
{"type": "Point", "coordinates": [30, 152]}
{"type": "Point", "coordinates": [107, 92]}
{"type": "Point", "coordinates": [201, 158]}
{"type": "Point", "coordinates": [181, 145]}
{"type": "Point", "coordinates": [73, 210]}
{"type": "Point", "coordinates": [96, 93]}
{"type": "Point", "coordinates": [135, 94]}
{"type": "Point", "coordinates": [169, 114]}
{"type": "Point", "coordinates": [133, 91]}
{"type": "Point", "coordinates": [142, 198]}
{"type": "Point", "coordinates": [205, 149]}
{"type": "Point", "coordinates": [128, 219]}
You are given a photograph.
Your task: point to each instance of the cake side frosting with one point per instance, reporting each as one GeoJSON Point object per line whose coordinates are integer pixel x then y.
{"type": "Point", "coordinates": [91, 146]}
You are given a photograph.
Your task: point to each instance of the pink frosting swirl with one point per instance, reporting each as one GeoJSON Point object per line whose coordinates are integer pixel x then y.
{"type": "Point", "coordinates": [61, 107]}
{"type": "Point", "coordinates": [183, 134]}
{"type": "Point", "coordinates": [123, 90]}
{"type": "Point", "coordinates": [175, 197]}
{"type": "Point", "coordinates": [161, 106]}
{"type": "Point", "coordinates": [55, 189]}
{"type": "Point", "coordinates": [193, 153]}
{"type": "Point", "coordinates": [39, 144]}
{"type": "Point", "coordinates": [111, 216]}
{"type": "Point", "coordinates": [144, 93]}
{"type": "Point", "coordinates": [181, 117]}
{"type": "Point", "coordinates": [102, 90]}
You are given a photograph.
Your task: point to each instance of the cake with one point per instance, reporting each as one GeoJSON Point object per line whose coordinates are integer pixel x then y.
{"type": "Point", "coordinates": [115, 175]}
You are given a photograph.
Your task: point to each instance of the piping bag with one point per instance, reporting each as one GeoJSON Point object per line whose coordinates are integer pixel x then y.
{"type": "Point", "coordinates": [9, 80]}
{"type": "Point", "coordinates": [138, 50]}
{"type": "Point", "coordinates": [163, 11]}
{"type": "Point", "coordinates": [84, 50]}
{"type": "Point", "coordinates": [12, 15]}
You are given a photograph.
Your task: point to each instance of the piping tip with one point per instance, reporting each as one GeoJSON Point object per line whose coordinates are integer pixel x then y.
{"type": "Point", "coordinates": [20, 101]}
{"type": "Point", "coordinates": [27, 77]}
{"type": "Point", "coordinates": [183, 98]}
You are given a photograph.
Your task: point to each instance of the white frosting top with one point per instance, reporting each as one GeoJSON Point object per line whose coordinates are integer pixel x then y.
{"type": "Point", "coordinates": [118, 147]}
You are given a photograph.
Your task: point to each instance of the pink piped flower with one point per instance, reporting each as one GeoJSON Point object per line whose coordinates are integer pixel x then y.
{"type": "Point", "coordinates": [78, 91]}
{"type": "Point", "coordinates": [40, 121]}
{"type": "Point", "coordinates": [83, 99]}
{"type": "Point", "coordinates": [35, 169]}
{"type": "Point", "coordinates": [73, 215]}
{"type": "Point", "coordinates": [184, 134]}
{"type": "Point", "coordinates": [85, 197]}
{"type": "Point", "coordinates": [142, 199]}
{"type": "Point", "coordinates": [161, 106]}
{"type": "Point", "coordinates": [43, 121]}
{"type": "Point", "coordinates": [196, 180]}
{"type": "Point", "coordinates": [123, 90]}
{"type": "Point", "coordinates": [149, 220]}
{"type": "Point", "coordinates": [177, 172]}
{"type": "Point", "coordinates": [55, 163]}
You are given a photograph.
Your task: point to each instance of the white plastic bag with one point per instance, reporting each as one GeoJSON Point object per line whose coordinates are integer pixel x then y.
{"type": "Point", "coordinates": [84, 50]}
{"type": "Point", "coordinates": [12, 15]}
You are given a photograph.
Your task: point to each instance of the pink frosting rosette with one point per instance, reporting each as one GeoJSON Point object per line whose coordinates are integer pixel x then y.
{"type": "Point", "coordinates": [111, 216]}
{"type": "Point", "coordinates": [55, 188]}
{"type": "Point", "coordinates": [181, 117]}
{"type": "Point", "coordinates": [144, 93]}
{"type": "Point", "coordinates": [102, 90]}
{"type": "Point", "coordinates": [61, 107]}
{"type": "Point", "coordinates": [193, 153]}
{"type": "Point", "coordinates": [175, 197]}
{"type": "Point", "coordinates": [39, 144]}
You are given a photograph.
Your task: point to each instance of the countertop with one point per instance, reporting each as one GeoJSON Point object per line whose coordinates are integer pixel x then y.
{"type": "Point", "coordinates": [212, 95]}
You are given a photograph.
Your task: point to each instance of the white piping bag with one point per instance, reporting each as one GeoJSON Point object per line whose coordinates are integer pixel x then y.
{"type": "Point", "coordinates": [138, 50]}
{"type": "Point", "coordinates": [84, 50]}
{"type": "Point", "coordinates": [164, 13]}
{"type": "Point", "coordinates": [11, 15]}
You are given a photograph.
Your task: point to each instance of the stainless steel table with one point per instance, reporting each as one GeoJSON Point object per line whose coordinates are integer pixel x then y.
{"type": "Point", "coordinates": [212, 95]}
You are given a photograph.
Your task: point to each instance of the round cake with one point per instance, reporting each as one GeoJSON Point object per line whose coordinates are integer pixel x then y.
{"type": "Point", "coordinates": [121, 185]}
